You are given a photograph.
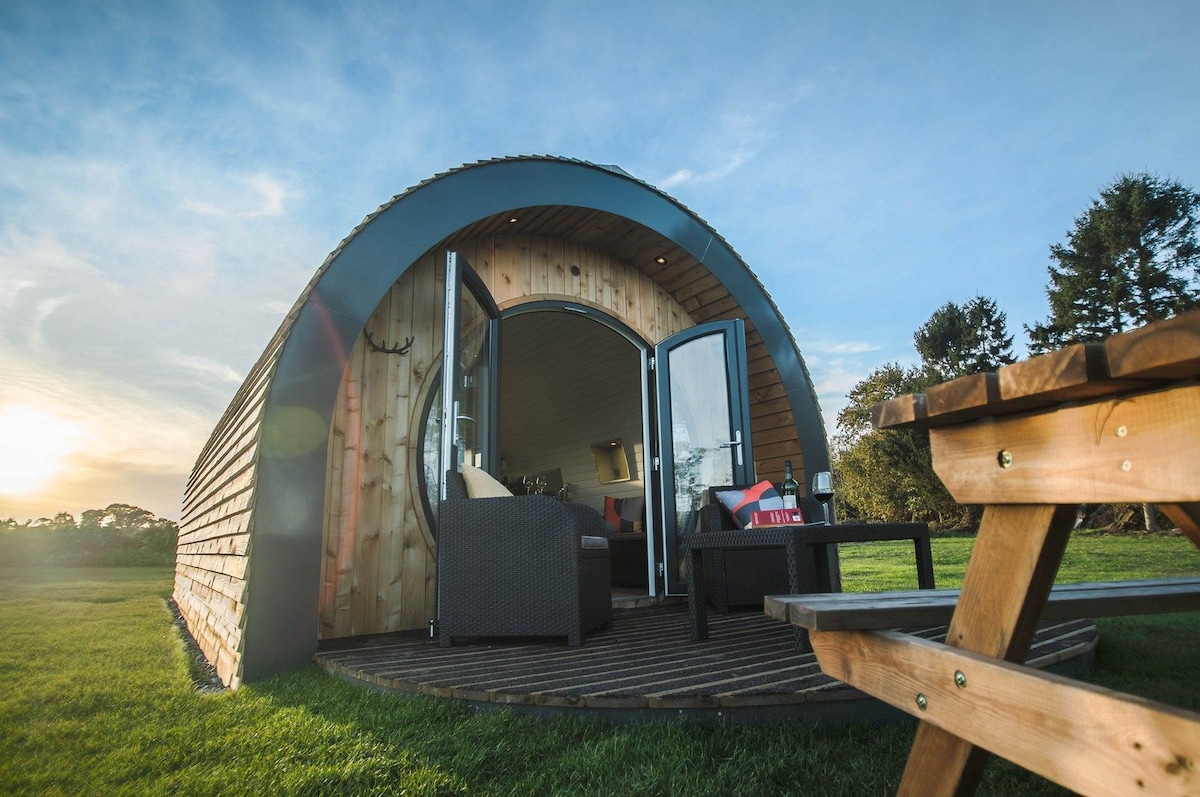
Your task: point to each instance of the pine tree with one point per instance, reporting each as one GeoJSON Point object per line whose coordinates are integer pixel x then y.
{"type": "Point", "coordinates": [967, 339]}
{"type": "Point", "coordinates": [1131, 258]}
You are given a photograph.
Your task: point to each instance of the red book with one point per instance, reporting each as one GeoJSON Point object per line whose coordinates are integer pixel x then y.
{"type": "Point", "coordinates": [776, 517]}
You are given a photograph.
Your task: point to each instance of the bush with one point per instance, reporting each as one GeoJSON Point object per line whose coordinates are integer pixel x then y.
{"type": "Point", "coordinates": [116, 536]}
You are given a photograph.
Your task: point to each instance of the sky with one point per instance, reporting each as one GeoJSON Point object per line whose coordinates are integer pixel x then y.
{"type": "Point", "coordinates": [172, 174]}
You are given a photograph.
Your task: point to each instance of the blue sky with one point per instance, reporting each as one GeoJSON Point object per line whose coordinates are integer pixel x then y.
{"type": "Point", "coordinates": [172, 174]}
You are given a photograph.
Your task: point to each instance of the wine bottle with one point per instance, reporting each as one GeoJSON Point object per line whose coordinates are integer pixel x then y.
{"type": "Point", "coordinates": [790, 488]}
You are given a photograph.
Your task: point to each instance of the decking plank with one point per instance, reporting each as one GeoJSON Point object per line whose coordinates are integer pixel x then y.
{"type": "Point", "coordinates": [647, 662]}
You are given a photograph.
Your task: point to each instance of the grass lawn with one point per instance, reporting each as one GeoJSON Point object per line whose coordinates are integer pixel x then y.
{"type": "Point", "coordinates": [97, 699]}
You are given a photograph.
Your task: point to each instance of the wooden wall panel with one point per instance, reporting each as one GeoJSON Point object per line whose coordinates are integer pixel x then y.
{"type": "Point", "coordinates": [566, 384]}
{"type": "Point", "coordinates": [378, 550]}
{"type": "Point", "coordinates": [414, 592]}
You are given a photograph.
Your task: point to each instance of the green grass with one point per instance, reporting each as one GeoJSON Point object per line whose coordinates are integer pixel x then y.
{"type": "Point", "coordinates": [97, 699]}
{"type": "Point", "coordinates": [1090, 556]}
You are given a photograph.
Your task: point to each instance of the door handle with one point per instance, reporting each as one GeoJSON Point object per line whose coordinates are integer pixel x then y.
{"type": "Point", "coordinates": [736, 445]}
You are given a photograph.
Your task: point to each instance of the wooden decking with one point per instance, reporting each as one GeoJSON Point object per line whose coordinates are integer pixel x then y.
{"type": "Point", "coordinates": [645, 667]}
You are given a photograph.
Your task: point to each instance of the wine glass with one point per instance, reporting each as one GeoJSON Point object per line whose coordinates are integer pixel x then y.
{"type": "Point", "coordinates": [822, 490]}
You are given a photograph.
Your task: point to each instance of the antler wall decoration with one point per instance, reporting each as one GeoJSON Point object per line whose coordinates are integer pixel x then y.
{"type": "Point", "coordinates": [383, 347]}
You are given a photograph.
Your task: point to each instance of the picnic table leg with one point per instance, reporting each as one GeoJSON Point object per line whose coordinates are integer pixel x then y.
{"type": "Point", "coordinates": [1186, 517]}
{"type": "Point", "coordinates": [1016, 556]}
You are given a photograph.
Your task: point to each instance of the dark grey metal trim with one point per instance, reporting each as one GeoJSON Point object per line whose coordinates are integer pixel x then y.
{"type": "Point", "coordinates": [282, 602]}
{"type": "Point", "coordinates": [599, 316]}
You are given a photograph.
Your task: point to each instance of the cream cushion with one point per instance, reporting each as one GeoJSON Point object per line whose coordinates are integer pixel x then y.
{"type": "Point", "coordinates": [480, 484]}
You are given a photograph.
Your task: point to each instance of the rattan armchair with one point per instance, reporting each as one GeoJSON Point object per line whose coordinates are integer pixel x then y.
{"type": "Point", "coordinates": [527, 565]}
{"type": "Point", "coordinates": [747, 575]}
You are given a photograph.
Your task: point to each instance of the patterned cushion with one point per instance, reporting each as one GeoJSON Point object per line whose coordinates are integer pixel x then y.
{"type": "Point", "coordinates": [624, 514]}
{"type": "Point", "coordinates": [741, 503]}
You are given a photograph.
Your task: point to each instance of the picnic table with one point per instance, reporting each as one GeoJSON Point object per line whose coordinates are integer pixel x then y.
{"type": "Point", "coordinates": [1110, 422]}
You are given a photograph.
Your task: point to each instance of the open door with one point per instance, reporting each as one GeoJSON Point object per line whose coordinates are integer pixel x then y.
{"type": "Point", "coordinates": [703, 414]}
{"type": "Point", "coordinates": [470, 358]}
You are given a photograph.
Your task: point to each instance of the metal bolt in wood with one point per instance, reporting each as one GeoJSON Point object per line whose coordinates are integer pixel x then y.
{"type": "Point", "coordinates": [960, 679]}
{"type": "Point", "coordinates": [1122, 430]}
{"type": "Point", "coordinates": [1005, 458]}
{"type": "Point", "coordinates": [922, 702]}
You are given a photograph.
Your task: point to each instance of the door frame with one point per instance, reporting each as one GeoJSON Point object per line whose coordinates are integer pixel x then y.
{"type": "Point", "coordinates": [741, 443]}
{"type": "Point", "coordinates": [661, 536]}
{"type": "Point", "coordinates": [459, 274]}
{"type": "Point", "coordinates": [654, 550]}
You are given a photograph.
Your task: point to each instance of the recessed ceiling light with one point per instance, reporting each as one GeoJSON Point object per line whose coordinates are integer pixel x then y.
{"type": "Point", "coordinates": [662, 261]}
{"type": "Point", "coordinates": [512, 220]}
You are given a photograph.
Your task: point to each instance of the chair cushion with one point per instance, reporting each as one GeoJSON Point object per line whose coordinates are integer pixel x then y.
{"type": "Point", "coordinates": [741, 503]}
{"type": "Point", "coordinates": [588, 542]}
{"type": "Point", "coordinates": [480, 484]}
{"type": "Point", "coordinates": [625, 514]}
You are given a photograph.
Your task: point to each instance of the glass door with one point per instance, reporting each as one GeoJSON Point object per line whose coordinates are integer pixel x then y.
{"type": "Point", "coordinates": [470, 356]}
{"type": "Point", "coordinates": [703, 410]}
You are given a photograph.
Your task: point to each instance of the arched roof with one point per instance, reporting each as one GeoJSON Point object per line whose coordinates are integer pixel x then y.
{"type": "Point", "coordinates": [279, 419]}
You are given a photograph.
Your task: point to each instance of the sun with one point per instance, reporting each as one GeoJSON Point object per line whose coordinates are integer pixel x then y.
{"type": "Point", "coordinates": [34, 446]}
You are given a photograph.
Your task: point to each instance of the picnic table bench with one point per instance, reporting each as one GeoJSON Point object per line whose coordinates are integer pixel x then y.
{"type": "Point", "coordinates": [1110, 422]}
{"type": "Point", "coordinates": [865, 611]}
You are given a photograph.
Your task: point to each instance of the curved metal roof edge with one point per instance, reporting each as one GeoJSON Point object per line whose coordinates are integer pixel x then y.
{"type": "Point", "coordinates": [293, 312]}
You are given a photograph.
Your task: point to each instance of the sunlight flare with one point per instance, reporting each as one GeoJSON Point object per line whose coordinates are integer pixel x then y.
{"type": "Point", "coordinates": [35, 448]}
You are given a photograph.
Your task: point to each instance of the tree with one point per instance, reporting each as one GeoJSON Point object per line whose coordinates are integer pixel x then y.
{"type": "Point", "coordinates": [888, 474]}
{"type": "Point", "coordinates": [119, 535]}
{"type": "Point", "coordinates": [967, 339]}
{"type": "Point", "coordinates": [1131, 258]}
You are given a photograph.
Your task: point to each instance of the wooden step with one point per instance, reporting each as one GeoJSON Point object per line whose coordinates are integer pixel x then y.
{"type": "Point", "coordinates": [843, 611]}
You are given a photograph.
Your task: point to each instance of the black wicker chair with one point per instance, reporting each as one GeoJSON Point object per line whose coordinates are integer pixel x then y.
{"type": "Point", "coordinates": [527, 565]}
{"type": "Point", "coordinates": [748, 575]}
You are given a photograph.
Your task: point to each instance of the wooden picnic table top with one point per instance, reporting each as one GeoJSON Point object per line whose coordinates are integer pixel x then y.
{"type": "Point", "coordinates": [1144, 359]}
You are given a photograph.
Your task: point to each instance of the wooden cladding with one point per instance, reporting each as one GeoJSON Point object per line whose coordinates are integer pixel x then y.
{"type": "Point", "coordinates": [378, 568]}
{"type": "Point", "coordinates": [212, 554]}
{"type": "Point", "coordinates": [568, 384]}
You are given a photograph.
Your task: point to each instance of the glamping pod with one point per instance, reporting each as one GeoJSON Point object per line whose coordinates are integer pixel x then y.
{"type": "Point", "coordinates": [559, 324]}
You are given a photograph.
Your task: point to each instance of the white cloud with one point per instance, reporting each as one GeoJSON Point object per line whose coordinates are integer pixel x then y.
{"type": "Point", "coordinates": [254, 197]}
{"type": "Point", "coordinates": [202, 366]}
{"type": "Point", "coordinates": [11, 288]}
{"type": "Point", "coordinates": [45, 308]}
{"type": "Point", "coordinates": [735, 143]}
{"type": "Point", "coordinates": [278, 308]}
{"type": "Point", "coordinates": [841, 347]}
